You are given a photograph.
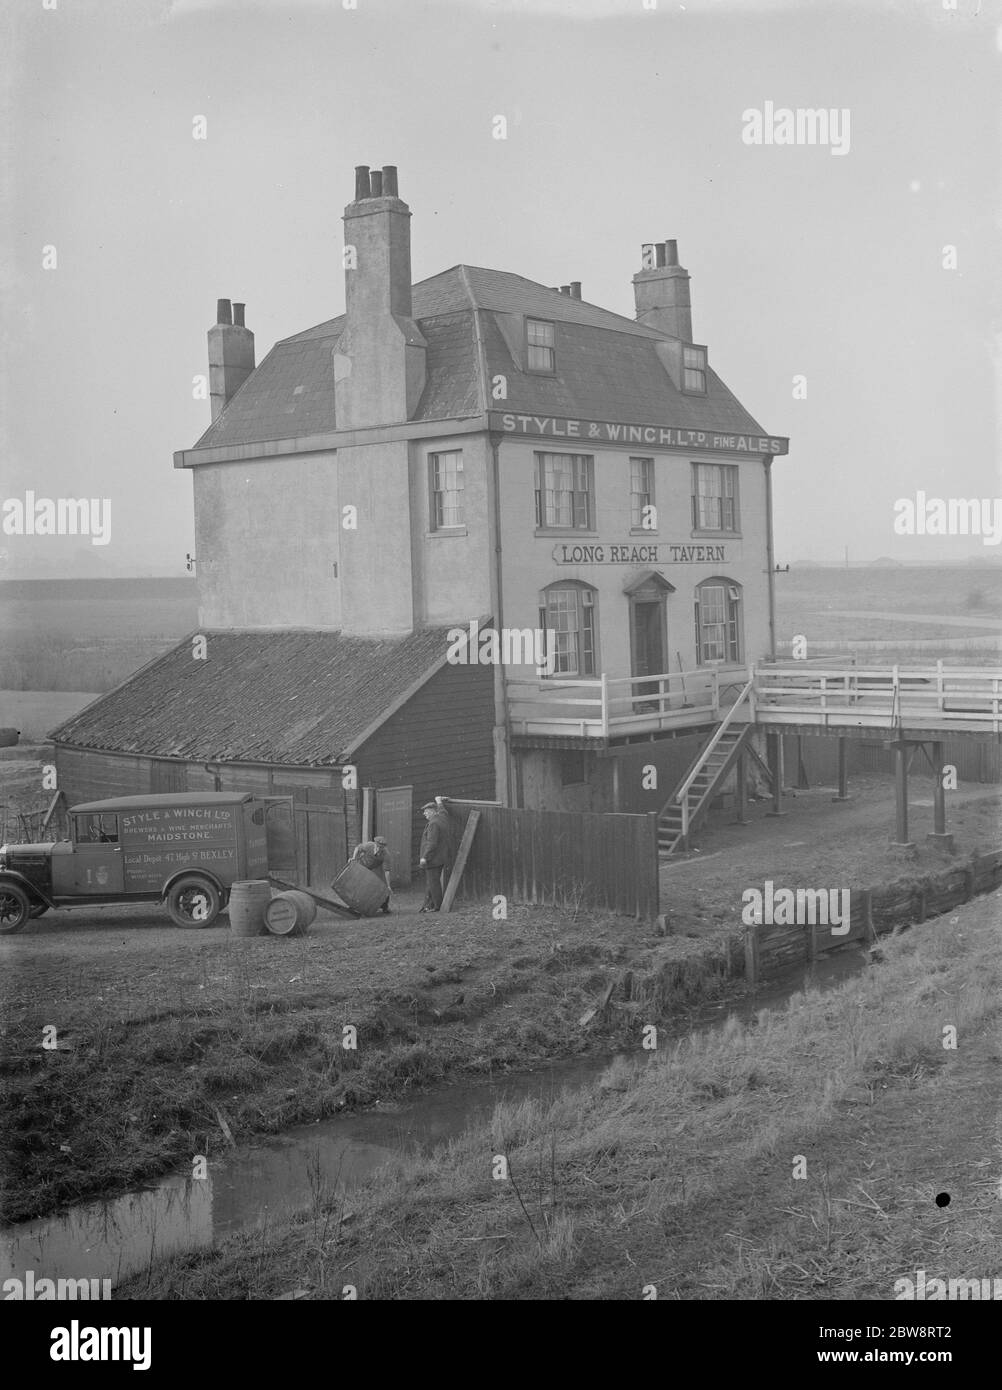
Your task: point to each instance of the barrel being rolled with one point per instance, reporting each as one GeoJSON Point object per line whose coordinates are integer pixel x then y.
{"type": "Point", "coordinates": [290, 914]}
{"type": "Point", "coordinates": [363, 891]}
{"type": "Point", "coordinates": [248, 901]}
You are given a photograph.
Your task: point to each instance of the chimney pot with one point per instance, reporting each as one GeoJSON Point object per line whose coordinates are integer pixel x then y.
{"type": "Point", "coordinates": [231, 355]}
{"type": "Point", "coordinates": [576, 289]}
{"type": "Point", "coordinates": [361, 181]}
{"type": "Point", "coordinates": [565, 289]}
{"type": "Point", "coordinates": [384, 346]}
{"type": "Point", "coordinates": [661, 291]}
{"type": "Point", "coordinates": [390, 181]}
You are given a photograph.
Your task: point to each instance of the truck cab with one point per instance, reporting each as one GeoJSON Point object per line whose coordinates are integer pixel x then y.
{"type": "Point", "coordinates": [185, 850]}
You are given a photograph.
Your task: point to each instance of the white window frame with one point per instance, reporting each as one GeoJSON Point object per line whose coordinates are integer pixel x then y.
{"type": "Point", "coordinates": [719, 639]}
{"type": "Point", "coordinates": [694, 369]}
{"type": "Point", "coordinates": [440, 508]}
{"type": "Point", "coordinates": [568, 614]}
{"type": "Point", "coordinates": [715, 506]}
{"type": "Point", "coordinates": [642, 472]}
{"type": "Point", "coordinates": [540, 339]}
{"type": "Point", "coordinates": [579, 506]}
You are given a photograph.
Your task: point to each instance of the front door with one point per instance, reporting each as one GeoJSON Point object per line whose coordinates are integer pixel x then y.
{"type": "Point", "coordinates": [649, 644]}
{"type": "Point", "coordinates": [393, 820]}
{"type": "Point", "coordinates": [97, 856]}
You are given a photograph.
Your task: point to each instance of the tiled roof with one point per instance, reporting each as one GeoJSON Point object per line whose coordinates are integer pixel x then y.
{"type": "Point", "coordinates": [607, 367]}
{"type": "Point", "coordinates": [273, 697]}
{"type": "Point", "coordinates": [611, 376]}
{"type": "Point", "coordinates": [289, 395]}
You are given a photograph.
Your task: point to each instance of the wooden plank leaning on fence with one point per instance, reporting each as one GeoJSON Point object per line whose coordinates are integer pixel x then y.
{"type": "Point", "coordinates": [58, 803]}
{"type": "Point", "coordinates": [457, 869]}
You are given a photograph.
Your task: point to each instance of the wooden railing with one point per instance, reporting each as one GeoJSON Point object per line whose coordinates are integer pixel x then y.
{"type": "Point", "coordinates": [739, 711]}
{"type": "Point", "coordinates": [965, 699]}
{"type": "Point", "coordinates": [602, 706]}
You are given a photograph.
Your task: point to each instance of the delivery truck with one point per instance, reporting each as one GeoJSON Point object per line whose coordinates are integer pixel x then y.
{"type": "Point", "coordinates": [185, 850]}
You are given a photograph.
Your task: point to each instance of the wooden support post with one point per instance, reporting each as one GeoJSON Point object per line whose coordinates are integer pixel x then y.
{"type": "Point", "coordinates": [741, 791]}
{"type": "Point", "coordinates": [843, 770]}
{"type": "Point", "coordinates": [460, 864]}
{"type": "Point", "coordinates": [774, 752]}
{"type": "Point", "coordinates": [901, 786]}
{"type": "Point", "coordinates": [939, 835]}
{"type": "Point", "coordinates": [616, 792]}
{"type": "Point", "coordinates": [802, 782]}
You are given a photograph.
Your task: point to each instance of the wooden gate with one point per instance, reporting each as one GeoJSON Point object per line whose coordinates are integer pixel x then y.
{"type": "Point", "coordinates": [394, 820]}
{"type": "Point", "coordinates": [321, 832]}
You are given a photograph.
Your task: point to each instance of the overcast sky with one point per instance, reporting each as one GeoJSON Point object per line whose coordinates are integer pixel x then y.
{"type": "Point", "coordinates": [624, 126]}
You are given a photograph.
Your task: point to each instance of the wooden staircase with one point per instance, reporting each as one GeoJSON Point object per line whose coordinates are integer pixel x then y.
{"type": "Point", "coordinates": [688, 804]}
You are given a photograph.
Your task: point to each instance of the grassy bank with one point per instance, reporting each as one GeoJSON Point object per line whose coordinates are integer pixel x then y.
{"type": "Point", "coordinates": [165, 1036]}
{"type": "Point", "coordinates": [679, 1174]}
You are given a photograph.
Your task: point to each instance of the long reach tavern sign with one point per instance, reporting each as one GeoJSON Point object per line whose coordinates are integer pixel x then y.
{"type": "Point", "coordinates": [660, 436]}
{"type": "Point", "coordinates": [644, 553]}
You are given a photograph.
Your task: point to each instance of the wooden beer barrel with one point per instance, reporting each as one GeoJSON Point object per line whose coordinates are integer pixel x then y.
{"type": "Point", "coordinates": [248, 900]}
{"type": "Point", "coordinates": [363, 891]}
{"type": "Point", "coordinates": [290, 913]}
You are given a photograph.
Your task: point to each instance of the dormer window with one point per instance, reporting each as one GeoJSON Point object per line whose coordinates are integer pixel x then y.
{"type": "Point", "coordinates": [541, 356]}
{"type": "Point", "coordinates": [694, 369]}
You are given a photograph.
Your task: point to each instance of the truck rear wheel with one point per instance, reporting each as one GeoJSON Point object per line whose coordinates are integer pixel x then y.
{"type": "Point", "coordinates": [15, 908]}
{"type": "Point", "coordinates": [193, 902]}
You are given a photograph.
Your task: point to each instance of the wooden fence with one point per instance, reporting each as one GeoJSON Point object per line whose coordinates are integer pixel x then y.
{"type": "Point", "coordinates": [568, 859]}
{"type": "Point", "coordinates": [325, 834]}
{"type": "Point", "coordinates": [872, 912]}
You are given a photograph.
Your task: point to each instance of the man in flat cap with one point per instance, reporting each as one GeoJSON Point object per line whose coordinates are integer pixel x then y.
{"type": "Point", "coordinates": [435, 857]}
{"type": "Point", "coordinates": [374, 855]}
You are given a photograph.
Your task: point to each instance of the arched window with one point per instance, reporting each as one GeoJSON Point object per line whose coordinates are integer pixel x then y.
{"type": "Point", "coordinates": [718, 622]}
{"type": "Point", "coordinates": [567, 613]}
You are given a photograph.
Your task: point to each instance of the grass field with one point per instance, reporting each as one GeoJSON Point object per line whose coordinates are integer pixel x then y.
{"type": "Point", "coordinates": [67, 636]}
{"type": "Point", "coordinates": [61, 635]}
{"type": "Point", "coordinates": [35, 712]}
{"type": "Point", "coordinates": [255, 1024]}
{"type": "Point", "coordinates": [888, 615]}
{"type": "Point", "coordinates": [795, 1158]}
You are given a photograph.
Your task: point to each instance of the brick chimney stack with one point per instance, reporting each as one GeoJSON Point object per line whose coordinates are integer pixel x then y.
{"type": "Point", "coordinates": [231, 354]}
{"type": "Point", "coordinates": [661, 291]}
{"type": "Point", "coordinates": [379, 363]}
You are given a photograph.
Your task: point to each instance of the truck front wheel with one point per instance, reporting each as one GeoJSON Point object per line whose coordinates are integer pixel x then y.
{"type": "Point", "coordinates": [15, 908]}
{"type": "Point", "coordinates": [193, 902]}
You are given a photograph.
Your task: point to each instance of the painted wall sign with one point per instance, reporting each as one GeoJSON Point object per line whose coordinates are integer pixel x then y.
{"type": "Point", "coordinates": [597, 432]}
{"type": "Point", "coordinates": [634, 553]}
{"type": "Point", "coordinates": [158, 842]}
{"type": "Point", "coordinates": [177, 825]}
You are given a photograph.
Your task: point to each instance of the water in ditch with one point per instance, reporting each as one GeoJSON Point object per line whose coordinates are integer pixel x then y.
{"type": "Point", "coordinates": [258, 1184]}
